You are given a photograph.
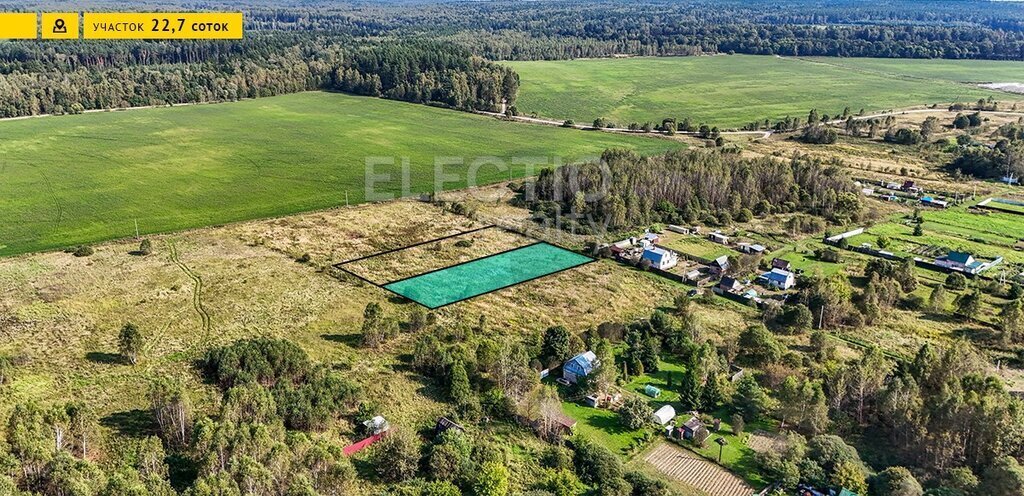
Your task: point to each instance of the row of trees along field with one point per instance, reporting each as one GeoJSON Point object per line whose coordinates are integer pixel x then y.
{"type": "Point", "coordinates": [625, 190]}
{"type": "Point", "coordinates": [70, 78]}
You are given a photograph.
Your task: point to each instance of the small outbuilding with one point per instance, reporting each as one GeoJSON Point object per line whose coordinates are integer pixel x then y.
{"type": "Point", "coordinates": [652, 391]}
{"type": "Point", "coordinates": [664, 415]}
{"type": "Point", "coordinates": [719, 238]}
{"type": "Point", "coordinates": [691, 427]}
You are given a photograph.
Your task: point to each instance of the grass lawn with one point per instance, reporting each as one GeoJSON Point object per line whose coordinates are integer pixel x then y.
{"type": "Point", "coordinates": [733, 90]}
{"type": "Point", "coordinates": [84, 178]}
{"type": "Point", "coordinates": [659, 379]}
{"type": "Point", "coordinates": [695, 246]}
{"type": "Point", "coordinates": [801, 255]}
{"type": "Point", "coordinates": [602, 425]}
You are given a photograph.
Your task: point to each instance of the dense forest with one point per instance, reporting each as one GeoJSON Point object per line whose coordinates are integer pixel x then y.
{"type": "Point", "coordinates": [427, 51]}
{"type": "Point", "coordinates": [44, 79]}
{"type": "Point", "coordinates": [624, 190]}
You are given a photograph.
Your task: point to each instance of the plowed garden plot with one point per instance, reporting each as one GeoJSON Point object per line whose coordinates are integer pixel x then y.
{"type": "Point", "coordinates": [691, 469]}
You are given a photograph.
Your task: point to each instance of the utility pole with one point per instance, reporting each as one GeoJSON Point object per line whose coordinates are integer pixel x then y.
{"type": "Point", "coordinates": [136, 228]}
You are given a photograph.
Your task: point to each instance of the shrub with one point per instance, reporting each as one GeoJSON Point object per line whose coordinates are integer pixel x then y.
{"type": "Point", "coordinates": [396, 458]}
{"type": "Point", "coordinates": [145, 247]}
{"type": "Point", "coordinates": [635, 412]}
{"type": "Point", "coordinates": [83, 251]}
{"type": "Point", "coordinates": [956, 281]}
{"type": "Point", "coordinates": [819, 135]}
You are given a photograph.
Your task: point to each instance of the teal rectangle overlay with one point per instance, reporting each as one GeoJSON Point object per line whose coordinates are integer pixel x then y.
{"type": "Point", "coordinates": [484, 275]}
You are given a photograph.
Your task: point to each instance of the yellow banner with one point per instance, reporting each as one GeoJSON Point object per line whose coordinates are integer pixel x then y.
{"type": "Point", "coordinates": [19, 26]}
{"type": "Point", "coordinates": [60, 26]}
{"type": "Point", "coordinates": [162, 25]}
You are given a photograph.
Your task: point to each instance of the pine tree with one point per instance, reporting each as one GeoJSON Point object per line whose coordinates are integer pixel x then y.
{"type": "Point", "coordinates": [690, 389]}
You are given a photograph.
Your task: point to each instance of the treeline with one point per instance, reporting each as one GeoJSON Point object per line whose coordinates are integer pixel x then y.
{"type": "Point", "coordinates": [57, 79]}
{"type": "Point", "coordinates": [625, 190]}
{"type": "Point", "coordinates": [559, 30]}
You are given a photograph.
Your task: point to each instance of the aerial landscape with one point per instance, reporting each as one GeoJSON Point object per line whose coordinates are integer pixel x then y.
{"type": "Point", "coordinates": [489, 248]}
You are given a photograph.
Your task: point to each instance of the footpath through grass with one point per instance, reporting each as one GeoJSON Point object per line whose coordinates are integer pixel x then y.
{"type": "Point", "coordinates": [84, 178]}
{"type": "Point", "coordinates": [733, 90]}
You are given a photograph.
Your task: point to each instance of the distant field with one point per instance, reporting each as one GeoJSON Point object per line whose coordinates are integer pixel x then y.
{"type": "Point", "coordinates": [962, 71]}
{"type": "Point", "coordinates": [733, 90]}
{"type": "Point", "coordinates": [84, 178]}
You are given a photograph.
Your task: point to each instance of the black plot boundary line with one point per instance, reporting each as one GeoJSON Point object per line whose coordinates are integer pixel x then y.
{"type": "Point", "coordinates": [414, 245]}
{"type": "Point", "coordinates": [485, 257]}
{"type": "Point", "coordinates": [340, 265]}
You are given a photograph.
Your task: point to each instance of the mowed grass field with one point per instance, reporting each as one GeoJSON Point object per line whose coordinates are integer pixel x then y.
{"type": "Point", "coordinates": [733, 90]}
{"type": "Point", "coordinates": [85, 178]}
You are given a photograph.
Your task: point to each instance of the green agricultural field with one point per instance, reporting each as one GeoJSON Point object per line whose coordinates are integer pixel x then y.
{"type": "Point", "coordinates": [733, 90]}
{"type": "Point", "coordinates": [962, 71]}
{"type": "Point", "coordinates": [84, 178]}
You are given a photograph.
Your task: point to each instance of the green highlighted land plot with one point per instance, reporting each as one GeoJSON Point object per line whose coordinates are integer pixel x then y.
{"type": "Point", "coordinates": [484, 275]}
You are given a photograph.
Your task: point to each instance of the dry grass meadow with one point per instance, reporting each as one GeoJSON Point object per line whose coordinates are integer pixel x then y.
{"type": "Point", "coordinates": [60, 315]}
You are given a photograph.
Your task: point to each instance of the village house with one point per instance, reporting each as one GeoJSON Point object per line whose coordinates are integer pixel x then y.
{"type": "Point", "coordinates": [728, 285]}
{"type": "Point", "coordinates": [910, 187]}
{"type": "Point", "coordinates": [579, 366]}
{"type": "Point", "coordinates": [965, 262]}
{"type": "Point", "coordinates": [777, 279]}
{"type": "Point", "coordinates": [720, 265]}
{"type": "Point", "coordinates": [957, 260]}
{"type": "Point", "coordinates": [660, 258]}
